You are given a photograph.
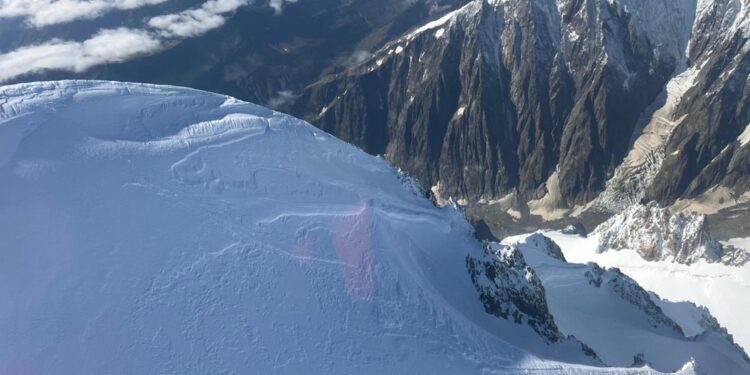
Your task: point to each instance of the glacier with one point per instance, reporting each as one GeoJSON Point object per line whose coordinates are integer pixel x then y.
{"type": "Point", "coordinates": [623, 323]}
{"type": "Point", "coordinates": [719, 287]}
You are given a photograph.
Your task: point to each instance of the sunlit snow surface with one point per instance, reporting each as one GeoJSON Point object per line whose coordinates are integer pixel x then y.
{"type": "Point", "coordinates": [620, 320]}
{"type": "Point", "coordinates": [724, 290]}
{"type": "Point", "coordinates": [162, 230]}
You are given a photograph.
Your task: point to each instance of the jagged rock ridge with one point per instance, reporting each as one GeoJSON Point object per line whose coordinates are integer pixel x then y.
{"type": "Point", "coordinates": [510, 289]}
{"type": "Point", "coordinates": [656, 234]}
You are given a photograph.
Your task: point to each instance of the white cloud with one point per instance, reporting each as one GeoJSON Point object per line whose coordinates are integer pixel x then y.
{"type": "Point", "coordinates": [358, 57]}
{"type": "Point", "coordinates": [50, 12]}
{"type": "Point", "coordinates": [278, 5]}
{"type": "Point", "coordinates": [195, 22]}
{"type": "Point", "coordinates": [282, 97]}
{"type": "Point", "coordinates": [107, 46]}
{"type": "Point", "coordinates": [111, 45]}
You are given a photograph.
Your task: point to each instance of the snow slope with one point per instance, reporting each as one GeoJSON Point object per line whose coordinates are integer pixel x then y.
{"type": "Point", "coordinates": [622, 322]}
{"type": "Point", "coordinates": [157, 229]}
{"type": "Point", "coordinates": [721, 288]}
{"type": "Point", "coordinates": [740, 243]}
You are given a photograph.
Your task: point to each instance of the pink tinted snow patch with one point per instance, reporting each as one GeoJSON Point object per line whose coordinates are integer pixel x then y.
{"type": "Point", "coordinates": [352, 238]}
{"type": "Point", "coordinates": [304, 251]}
{"type": "Point", "coordinates": [18, 369]}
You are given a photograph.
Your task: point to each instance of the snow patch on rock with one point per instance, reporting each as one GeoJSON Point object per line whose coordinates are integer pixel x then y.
{"type": "Point", "coordinates": [655, 233]}
{"type": "Point", "coordinates": [637, 171]}
{"type": "Point", "coordinates": [744, 138]}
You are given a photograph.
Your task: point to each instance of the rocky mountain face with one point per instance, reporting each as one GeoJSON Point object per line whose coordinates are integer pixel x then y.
{"type": "Point", "coordinates": [545, 100]}
{"type": "Point", "coordinates": [656, 233]}
{"type": "Point", "coordinates": [510, 289]}
{"type": "Point", "coordinates": [708, 148]}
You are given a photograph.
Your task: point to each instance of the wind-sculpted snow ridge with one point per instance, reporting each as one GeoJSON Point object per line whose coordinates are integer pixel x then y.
{"type": "Point", "coordinates": [150, 229]}
{"type": "Point", "coordinates": [658, 234]}
{"type": "Point", "coordinates": [623, 323]}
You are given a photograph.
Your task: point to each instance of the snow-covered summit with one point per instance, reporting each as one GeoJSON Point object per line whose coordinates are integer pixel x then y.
{"type": "Point", "coordinates": [158, 229]}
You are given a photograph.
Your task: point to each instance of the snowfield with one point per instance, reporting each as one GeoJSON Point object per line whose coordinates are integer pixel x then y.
{"type": "Point", "coordinates": [621, 321]}
{"type": "Point", "coordinates": [151, 229]}
{"type": "Point", "coordinates": [723, 289]}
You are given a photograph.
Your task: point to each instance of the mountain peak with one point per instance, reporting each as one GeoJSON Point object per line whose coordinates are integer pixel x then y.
{"type": "Point", "coordinates": [656, 233]}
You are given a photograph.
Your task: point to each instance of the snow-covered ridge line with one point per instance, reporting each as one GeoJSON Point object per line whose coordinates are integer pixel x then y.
{"type": "Point", "coordinates": [195, 223]}
{"type": "Point", "coordinates": [443, 23]}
